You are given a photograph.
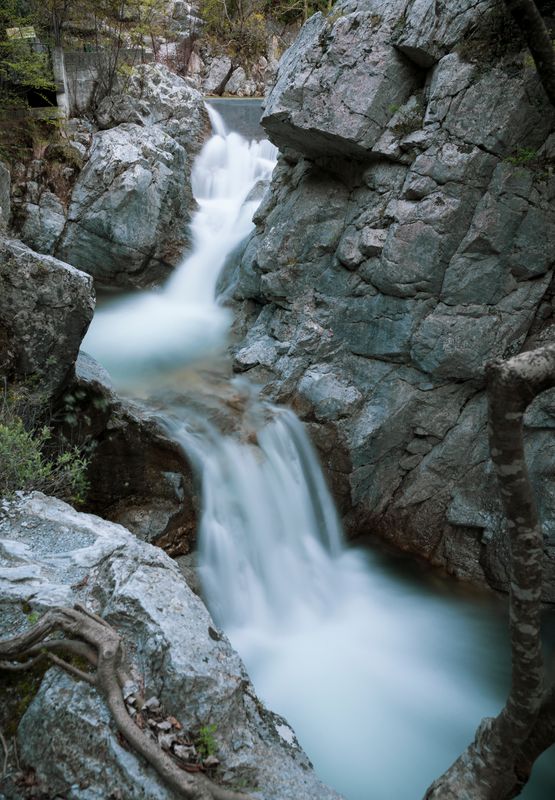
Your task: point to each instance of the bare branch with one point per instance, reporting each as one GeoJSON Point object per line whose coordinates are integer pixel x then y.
{"type": "Point", "coordinates": [71, 670]}
{"type": "Point", "coordinates": [6, 754]}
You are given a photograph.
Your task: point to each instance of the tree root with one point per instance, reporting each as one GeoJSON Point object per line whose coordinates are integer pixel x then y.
{"type": "Point", "coordinates": [94, 640]}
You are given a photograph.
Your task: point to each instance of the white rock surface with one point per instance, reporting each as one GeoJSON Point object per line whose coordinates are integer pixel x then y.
{"type": "Point", "coordinates": [47, 550]}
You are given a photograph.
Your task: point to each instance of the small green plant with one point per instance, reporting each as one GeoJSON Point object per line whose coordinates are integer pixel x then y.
{"type": "Point", "coordinates": [206, 743]}
{"type": "Point", "coordinates": [33, 617]}
{"type": "Point", "coordinates": [30, 459]}
{"type": "Point", "coordinates": [522, 156]}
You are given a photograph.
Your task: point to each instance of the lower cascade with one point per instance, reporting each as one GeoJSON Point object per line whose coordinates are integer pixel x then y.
{"type": "Point", "coordinates": [382, 677]}
{"type": "Point", "coordinates": [370, 673]}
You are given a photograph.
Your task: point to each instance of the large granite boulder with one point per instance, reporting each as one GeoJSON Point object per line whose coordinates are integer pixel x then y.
{"type": "Point", "coordinates": [153, 95]}
{"type": "Point", "coordinates": [52, 555]}
{"type": "Point", "coordinates": [117, 202]}
{"type": "Point", "coordinates": [43, 222]}
{"type": "Point", "coordinates": [337, 84]}
{"type": "Point", "coordinates": [45, 309]}
{"type": "Point", "coordinates": [127, 220]}
{"type": "Point", "coordinates": [408, 238]}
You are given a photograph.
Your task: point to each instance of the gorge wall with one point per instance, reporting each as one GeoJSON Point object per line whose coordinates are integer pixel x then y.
{"type": "Point", "coordinates": [407, 239]}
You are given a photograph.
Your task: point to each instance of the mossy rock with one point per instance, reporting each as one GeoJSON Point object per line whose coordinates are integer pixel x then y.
{"type": "Point", "coordinates": [64, 153]}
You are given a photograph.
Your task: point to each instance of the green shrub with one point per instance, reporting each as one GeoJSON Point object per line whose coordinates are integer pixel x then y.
{"type": "Point", "coordinates": [31, 461]}
{"type": "Point", "coordinates": [205, 741]}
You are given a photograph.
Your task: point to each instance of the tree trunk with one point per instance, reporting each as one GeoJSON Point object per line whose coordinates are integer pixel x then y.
{"type": "Point", "coordinates": [530, 21]}
{"type": "Point", "coordinates": [498, 763]}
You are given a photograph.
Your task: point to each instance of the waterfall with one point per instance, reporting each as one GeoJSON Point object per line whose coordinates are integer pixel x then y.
{"type": "Point", "coordinates": [370, 673]}
{"type": "Point", "coordinates": [162, 330]}
{"type": "Point", "coordinates": [257, 500]}
{"type": "Point", "coordinates": [383, 678]}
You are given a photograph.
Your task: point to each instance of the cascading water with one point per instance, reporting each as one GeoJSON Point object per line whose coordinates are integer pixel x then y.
{"type": "Point", "coordinates": [182, 323]}
{"type": "Point", "coordinates": [383, 680]}
{"type": "Point", "coordinates": [377, 683]}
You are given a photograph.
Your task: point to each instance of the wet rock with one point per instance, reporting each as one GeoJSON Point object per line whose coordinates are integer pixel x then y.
{"type": "Point", "coordinates": [407, 238]}
{"type": "Point", "coordinates": [45, 309]}
{"type": "Point", "coordinates": [138, 476]}
{"type": "Point", "coordinates": [66, 733]}
{"type": "Point", "coordinates": [128, 215]}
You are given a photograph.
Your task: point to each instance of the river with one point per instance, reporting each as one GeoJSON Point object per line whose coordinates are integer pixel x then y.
{"type": "Point", "coordinates": [383, 669]}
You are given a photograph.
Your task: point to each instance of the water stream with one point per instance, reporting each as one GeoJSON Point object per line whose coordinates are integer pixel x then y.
{"type": "Point", "coordinates": [383, 676]}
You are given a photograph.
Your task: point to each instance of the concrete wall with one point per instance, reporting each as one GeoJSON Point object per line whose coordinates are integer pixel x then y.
{"type": "Point", "coordinates": [81, 75]}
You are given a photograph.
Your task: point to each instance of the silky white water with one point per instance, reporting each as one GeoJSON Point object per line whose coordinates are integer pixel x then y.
{"type": "Point", "coordinates": [155, 331]}
{"type": "Point", "coordinates": [378, 680]}
{"type": "Point", "coordinates": [383, 679]}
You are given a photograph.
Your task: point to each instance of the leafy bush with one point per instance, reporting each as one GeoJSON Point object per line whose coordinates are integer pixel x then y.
{"type": "Point", "coordinates": [30, 460]}
{"type": "Point", "coordinates": [206, 742]}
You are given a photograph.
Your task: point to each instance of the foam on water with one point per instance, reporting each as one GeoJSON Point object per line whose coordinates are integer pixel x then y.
{"type": "Point", "coordinates": [182, 323]}
{"type": "Point", "coordinates": [383, 680]}
{"type": "Point", "coordinates": [374, 676]}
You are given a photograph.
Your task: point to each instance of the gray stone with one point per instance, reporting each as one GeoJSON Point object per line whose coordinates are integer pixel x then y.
{"type": "Point", "coordinates": [53, 555]}
{"type": "Point", "coordinates": [497, 112]}
{"type": "Point", "coordinates": [128, 216]}
{"type": "Point", "coordinates": [426, 35]}
{"type": "Point", "coordinates": [153, 95]}
{"type": "Point", "coordinates": [337, 85]}
{"type": "Point", "coordinates": [349, 250]}
{"type": "Point", "coordinates": [372, 241]}
{"type": "Point", "coordinates": [413, 244]}
{"type": "Point", "coordinates": [45, 309]}
{"type": "Point", "coordinates": [5, 204]}
{"type": "Point", "coordinates": [137, 475]}
{"type": "Point", "coordinates": [456, 342]}
{"type": "Point", "coordinates": [218, 73]}
{"type": "Point", "coordinates": [330, 395]}
{"type": "Point", "coordinates": [44, 222]}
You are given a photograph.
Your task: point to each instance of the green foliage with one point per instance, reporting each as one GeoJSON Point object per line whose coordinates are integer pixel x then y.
{"type": "Point", "coordinates": [22, 62]}
{"type": "Point", "coordinates": [237, 25]}
{"type": "Point", "coordinates": [524, 155]}
{"type": "Point", "coordinates": [205, 742]}
{"type": "Point", "coordinates": [31, 461]}
{"type": "Point", "coordinates": [297, 10]}
{"type": "Point", "coordinates": [408, 124]}
{"type": "Point", "coordinates": [240, 25]}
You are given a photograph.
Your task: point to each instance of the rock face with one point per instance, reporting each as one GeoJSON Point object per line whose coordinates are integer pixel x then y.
{"type": "Point", "coordinates": [120, 208]}
{"type": "Point", "coordinates": [5, 205]}
{"type": "Point", "coordinates": [155, 96]}
{"type": "Point", "coordinates": [409, 237]}
{"type": "Point", "coordinates": [137, 475]}
{"type": "Point", "coordinates": [53, 555]}
{"type": "Point", "coordinates": [129, 209]}
{"type": "Point", "coordinates": [45, 309]}
{"type": "Point", "coordinates": [43, 222]}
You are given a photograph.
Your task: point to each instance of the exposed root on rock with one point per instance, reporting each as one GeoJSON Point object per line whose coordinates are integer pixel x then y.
{"type": "Point", "coordinates": [93, 640]}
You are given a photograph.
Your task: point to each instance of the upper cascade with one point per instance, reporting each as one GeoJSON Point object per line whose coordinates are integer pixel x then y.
{"type": "Point", "coordinates": [183, 322]}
